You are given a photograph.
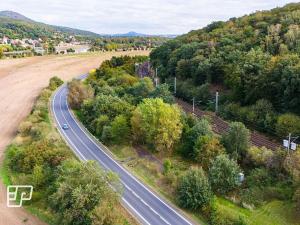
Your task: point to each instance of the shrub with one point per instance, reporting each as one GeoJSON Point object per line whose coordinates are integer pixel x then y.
{"type": "Point", "coordinates": [99, 124]}
{"type": "Point", "coordinates": [261, 115]}
{"type": "Point", "coordinates": [292, 165]}
{"type": "Point", "coordinates": [224, 174]}
{"type": "Point", "coordinates": [41, 152]}
{"type": "Point", "coordinates": [78, 92]}
{"type": "Point", "coordinates": [288, 123]}
{"type": "Point", "coordinates": [202, 94]}
{"type": "Point", "coordinates": [259, 177]}
{"type": "Point", "coordinates": [120, 129]}
{"type": "Point", "coordinates": [25, 128]}
{"type": "Point", "coordinates": [206, 149]}
{"type": "Point", "coordinates": [80, 188]}
{"type": "Point", "coordinates": [167, 166]}
{"type": "Point", "coordinates": [39, 177]}
{"type": "Point", "coordinates": [296, 199]}
{"type": "Point", "coordinates": [201, 127]}
{"type": "Point", "coordinates": [260, 156]}
{"type": "Point", "coordinates": [54, 83]}
{"type": "Point", "coordinates": [194, 190]}
{"type": "Point", "coordinates": [237, 139]}
{"type": "Point", "coordinates": [252, 197]}
{"type": "Point", "coordinates": [162, 91]}
{"type": "Point", "coordinates": [106, 134]}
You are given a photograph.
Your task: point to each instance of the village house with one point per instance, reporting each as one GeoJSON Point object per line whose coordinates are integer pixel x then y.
{"type": "Point", "coordinates": [4, 40]}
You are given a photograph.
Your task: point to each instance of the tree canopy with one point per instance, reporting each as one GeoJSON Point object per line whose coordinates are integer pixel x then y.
{"type": "Point", "coordinates": [157, 123]}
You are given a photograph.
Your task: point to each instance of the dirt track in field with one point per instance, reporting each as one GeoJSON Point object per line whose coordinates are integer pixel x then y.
{"type": "Point", "coordinates": [21, 81]}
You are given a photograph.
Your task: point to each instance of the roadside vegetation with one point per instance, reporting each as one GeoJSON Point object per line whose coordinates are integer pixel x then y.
{"type": "Point", "coordinates": [216, 179]}
{"type": "Point", "coordinates": [253, 61]}
{"type": "Point", "coordinates": [65, 190]}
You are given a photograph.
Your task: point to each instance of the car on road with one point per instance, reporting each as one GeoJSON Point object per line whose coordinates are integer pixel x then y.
{"type": "Point", "coordinates": [65, 126]}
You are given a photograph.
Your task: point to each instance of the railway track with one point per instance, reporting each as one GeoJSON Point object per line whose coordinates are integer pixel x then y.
{"type": "Point", "coordinates": [220, 126]}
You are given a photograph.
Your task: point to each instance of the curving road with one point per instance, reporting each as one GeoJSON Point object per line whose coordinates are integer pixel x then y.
{"type": "Point", "coordinates": [145, 205]}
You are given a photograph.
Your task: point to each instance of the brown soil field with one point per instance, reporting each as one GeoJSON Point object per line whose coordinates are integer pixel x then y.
{"type": "Point", "coordinates": [21, 81]}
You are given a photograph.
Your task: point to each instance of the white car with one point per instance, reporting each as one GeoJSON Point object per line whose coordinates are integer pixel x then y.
{"type": "Point", "coordinates": [65, 126]}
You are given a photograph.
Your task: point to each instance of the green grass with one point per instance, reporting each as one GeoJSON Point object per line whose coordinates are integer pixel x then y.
{"type": "Point", "coordinates": [123, 153]}
{"type": "Point", "coordinates": [37, 209]}
{"type": "Point", "coordinates": [272, 213]}
{"type": "Point", "coordinates": [4, 172]}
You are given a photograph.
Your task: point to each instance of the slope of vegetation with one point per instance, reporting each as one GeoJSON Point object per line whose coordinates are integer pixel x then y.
{"type": "Point", "coordinates": [252, 60]}
{"type": "Point", "coordinates": [65, 191]}
{"type": "Point", "coordinates": [18, 29]}
{"type": "Point", "coordinates": [181, 157]}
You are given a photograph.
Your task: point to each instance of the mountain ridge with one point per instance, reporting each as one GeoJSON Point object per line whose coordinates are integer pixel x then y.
{"type": "Point", "coordinates": [16, 25]}
{"type": "Point", "coordinates": [14, 15]}
{"type": "Point", "coordinates": [8, 18]}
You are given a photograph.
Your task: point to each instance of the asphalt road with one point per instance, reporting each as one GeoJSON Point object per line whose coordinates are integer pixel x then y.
{"type": "Point", "coordinates": [137, 198]}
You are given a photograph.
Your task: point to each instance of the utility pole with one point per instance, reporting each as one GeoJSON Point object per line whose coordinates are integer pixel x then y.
{"type": "Point", "coordinates": [289, 143]}
{"type": "Point", "coordinates": [217, 102]}
{"type": "Point", "coordinates": [175, 85]}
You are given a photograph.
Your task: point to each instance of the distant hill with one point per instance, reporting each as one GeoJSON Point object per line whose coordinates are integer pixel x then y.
{"type": "Point", "coordinates": [135, 34]}
{"type": "Point", "coordinates": [15, 25]}
{"type": "Point", "coordinates": [14, 15]}
{"type": "Point", "coordinates": [131, 34]}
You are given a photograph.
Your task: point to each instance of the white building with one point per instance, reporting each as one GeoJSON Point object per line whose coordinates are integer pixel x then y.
{"type": "Point", "coordinates": [4, 40]}
{"type": "Point", "coordinates": [39, 50]}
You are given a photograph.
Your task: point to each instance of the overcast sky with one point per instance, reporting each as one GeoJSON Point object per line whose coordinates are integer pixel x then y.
{"type": "Point", "coordinates": [149, 17]}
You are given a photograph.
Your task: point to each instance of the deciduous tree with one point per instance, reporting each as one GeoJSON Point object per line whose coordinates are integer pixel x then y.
{"type": "Point", "coordinates": [157, 124]}
{"type": "Point", "coordinates": [194, 191]}
{"type": "Point", "coordinates": [224, 174]}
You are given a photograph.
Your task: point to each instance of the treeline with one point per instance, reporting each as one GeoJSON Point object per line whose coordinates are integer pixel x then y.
{"type": "Point", "coordinates": [126, 43]}
{"type": "Point", "coordinates": [247, 59]}
{"type": "Point", "coordinates": [65, 191]}
{"type": "Point", "coordinates": [120, 109]}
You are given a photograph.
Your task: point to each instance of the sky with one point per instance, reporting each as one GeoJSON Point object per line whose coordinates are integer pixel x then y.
{"type": "Point", "coordinates": [142, 16]}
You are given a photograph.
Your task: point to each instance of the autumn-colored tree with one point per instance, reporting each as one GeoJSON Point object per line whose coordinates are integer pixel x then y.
{"type": "Point", "coordinates": [206, 149]}
{"type": "Point", "coordinates": [78, 92]}
{"type": "Point", "coordinates": [157, 123]}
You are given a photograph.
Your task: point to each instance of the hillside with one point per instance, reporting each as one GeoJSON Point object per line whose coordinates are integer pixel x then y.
{"type": "Point", "coordinates": [14, 15]}
{"type": "Point", "coordinates": [253, 57]}
{"type": "Point", "coordinates": [15, 25]}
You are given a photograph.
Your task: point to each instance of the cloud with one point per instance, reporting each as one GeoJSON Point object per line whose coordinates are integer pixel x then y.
{"type": "Point", "coordinates": [144, 16]}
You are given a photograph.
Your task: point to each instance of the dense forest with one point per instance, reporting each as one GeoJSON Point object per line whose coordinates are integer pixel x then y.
{"type": "Point", "coordinates": [221, 179]}
{"type": "Point", "coordinates": [252, 60]}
